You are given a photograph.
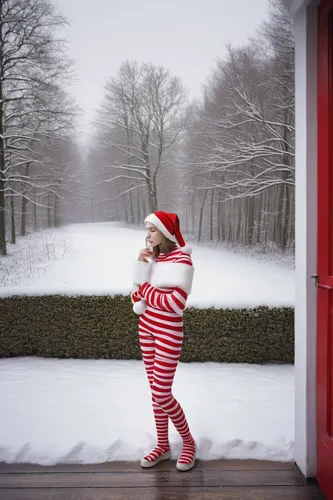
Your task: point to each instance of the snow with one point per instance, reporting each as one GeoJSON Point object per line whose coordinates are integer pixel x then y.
{"type": "Point", "coordinates": [33, 255]}
{"type": "Point", "coordinates": [92, 411]}
{"type": "Point", "coordinates": [98, 259]}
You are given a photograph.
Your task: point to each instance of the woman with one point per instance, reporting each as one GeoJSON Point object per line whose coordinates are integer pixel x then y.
{"type": "Point", "coordinates": [163, 278]}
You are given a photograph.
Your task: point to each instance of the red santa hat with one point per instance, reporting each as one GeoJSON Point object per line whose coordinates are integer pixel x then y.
{"type": "Point", "coordinates": [168, 224]}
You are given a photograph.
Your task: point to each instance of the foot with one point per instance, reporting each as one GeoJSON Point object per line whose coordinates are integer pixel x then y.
{"type": "Point", "coordinates": [156, 455]}
{"type": "Point", "coordinates": [186, 461]}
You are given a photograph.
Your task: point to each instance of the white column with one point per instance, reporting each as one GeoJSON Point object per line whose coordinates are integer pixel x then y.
{"type": "Point", "coordinates": [306, 239]}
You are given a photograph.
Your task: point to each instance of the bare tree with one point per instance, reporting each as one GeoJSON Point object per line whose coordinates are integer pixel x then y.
{"type": "Point", "coordinates": [142, 117]}
{"type": "Point", "coordinates": [32, 65]}
{"type": "Point", "coordinates": [242, 145]}
{"type": "Point", "coordinates": [34, 146]}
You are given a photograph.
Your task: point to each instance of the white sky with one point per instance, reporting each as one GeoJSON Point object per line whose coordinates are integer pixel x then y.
{"type": "Point", "coordinates": [186, 36]}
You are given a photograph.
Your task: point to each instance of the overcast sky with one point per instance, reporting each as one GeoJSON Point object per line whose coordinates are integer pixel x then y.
{"type": "Point", "coordinates": [186, 36]}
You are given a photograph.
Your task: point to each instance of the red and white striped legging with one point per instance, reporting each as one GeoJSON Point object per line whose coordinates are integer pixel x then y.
{"type": "Point", "coordinates": [161, 338]}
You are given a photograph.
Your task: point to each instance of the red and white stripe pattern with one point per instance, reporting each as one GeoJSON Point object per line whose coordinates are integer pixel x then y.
{"type": "Point", "coordinates": [161, 338]}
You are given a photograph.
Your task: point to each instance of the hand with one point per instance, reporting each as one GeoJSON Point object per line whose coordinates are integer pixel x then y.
{"type": "Point", "coordinates": [144, 255]}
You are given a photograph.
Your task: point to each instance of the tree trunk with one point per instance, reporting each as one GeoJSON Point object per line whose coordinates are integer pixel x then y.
{"type": "Point", "coordinates": [151, 185]}
{"type": "Point", "coordinates": [284, 227]}
{"type": "Point", "coordinates": [130, 208]}
{"type": "Point", "coordinates": [280, 217]}
{"type": "Point", "coordinates": [201, 213]}
{"type": "Point", "coordinates": [273, 207]}
{"type": "Point", "coordinates": [153, 197]}
{"type": "Point", "coordinates": [259, 218]}
{"type": "Point", "coordinates": [239, 225]}
{"type": "Point", "coordinates": [291, 221]}
{"type": "Point", "coordinates": [3, 247]}
{"type": "Point", "coordinates": [223, 220]}
{"type": "Point", "coordinates": [56, 215]}
{"type": "Point", "coordinates": [34, 215]}
{"type": "Point", "coordinates": [231, 223]}
{"type": "Point", "coordinates": [49, 213]}
{"type": "Point", "coordinates": [250, 222]}
{"type": "Point", "coordinates": [211, 236]}
{"type": "Point", "coordinates": [131, 211]}
{"type": "Point", "coordinates": [143, 203]}
{"type": "Point", "coordinates": [138, 206]}
{"type": "Point", "coordinates": [126, 210]}
{"type": "Point", "coordinates": [24, 202]}
{"type": "Point", "coordinates": [285, 200]}
{"type": "Point", "coordinates": [12, 218]}
{"type": "Point", "coordinates": [268, 220]}
{"type": "Point", "coordinates": [23, 212]}
{"type": "Point", "coordinates": [219, 217]}
{"type": "Point", "coordinates": [192, 213]}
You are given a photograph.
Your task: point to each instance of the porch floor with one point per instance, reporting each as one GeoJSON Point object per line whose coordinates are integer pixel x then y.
{"type": "Point", "coordinates": [208, 480]}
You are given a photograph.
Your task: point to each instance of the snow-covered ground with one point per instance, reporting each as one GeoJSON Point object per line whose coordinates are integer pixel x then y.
{"type": "Point", "coordinates": [33, 255]}
{"type": "Point", "coordinates": [90, 411]}
{"type": "Point", "coordinates": [96, 410]}
{"type": "Point", "coordinates": [98, 259]}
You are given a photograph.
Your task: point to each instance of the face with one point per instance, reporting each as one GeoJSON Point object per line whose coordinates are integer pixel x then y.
{"type": "Point", "coordinates": [154, 236]}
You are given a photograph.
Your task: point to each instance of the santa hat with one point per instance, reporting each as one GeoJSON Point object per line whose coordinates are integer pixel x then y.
{"type": "Point", "coordinates": [168, 224]}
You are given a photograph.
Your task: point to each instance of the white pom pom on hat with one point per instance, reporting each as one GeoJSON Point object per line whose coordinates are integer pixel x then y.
{"type": "Point", "coordinates": [187, 249]}
{"type": "Point", "coordinates": [169, 225]}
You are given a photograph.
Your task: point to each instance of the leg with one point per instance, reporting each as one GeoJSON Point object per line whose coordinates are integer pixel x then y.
{"type": "Point", "coordinates": [167, 353]}
{"type": "Point", "coordinates": [162, 450]}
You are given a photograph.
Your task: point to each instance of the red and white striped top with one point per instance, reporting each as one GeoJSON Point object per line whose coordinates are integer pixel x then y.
{"type": "Point", "coordinates": [167, 304]}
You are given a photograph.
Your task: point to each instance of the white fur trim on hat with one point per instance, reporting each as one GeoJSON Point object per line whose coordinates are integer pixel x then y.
{"type": "Point", "coordinates": [140, 307]}
{"type": "Point", "coordinates": [153, 219]}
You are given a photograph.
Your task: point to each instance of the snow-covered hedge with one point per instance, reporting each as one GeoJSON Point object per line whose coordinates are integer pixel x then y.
{"type": "Point", "coordinates": [106, 327]}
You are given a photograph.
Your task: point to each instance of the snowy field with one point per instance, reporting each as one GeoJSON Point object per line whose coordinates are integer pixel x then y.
{"type": "Point", "coordinates": [98, 259]}
{"type": "Point", "coordinates": [81, 411]}
{"type": "Point", "coordinates": [33, 255]}
{"type": "Point", "coordinates": [86, 411]}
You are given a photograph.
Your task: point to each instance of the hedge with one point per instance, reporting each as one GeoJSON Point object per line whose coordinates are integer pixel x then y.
{"type": "Point", "coordinates": [90, 327]}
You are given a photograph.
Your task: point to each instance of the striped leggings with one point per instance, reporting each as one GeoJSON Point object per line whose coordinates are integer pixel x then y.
{"type": "Point", "coordinates": [161, 352]}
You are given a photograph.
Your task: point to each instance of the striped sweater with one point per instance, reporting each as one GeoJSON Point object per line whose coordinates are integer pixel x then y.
{"type": "Point", "coordinates": [164, 284]}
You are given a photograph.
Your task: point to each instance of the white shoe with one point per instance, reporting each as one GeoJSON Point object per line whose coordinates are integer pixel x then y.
{"type": "Point", "coordinates": [185, 467]}
{"type": "Point", "coordinates": [165, 456]}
